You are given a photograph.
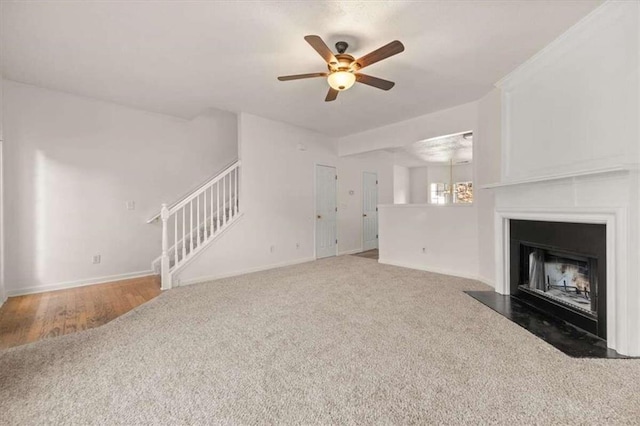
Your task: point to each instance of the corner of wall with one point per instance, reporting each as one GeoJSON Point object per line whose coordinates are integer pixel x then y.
{"type": "Point", "coordinates": [3, 290]}
{"type": "Point", "coordinates": [488, 169]}
{"type": "Point", "coordinates": [84, 160]}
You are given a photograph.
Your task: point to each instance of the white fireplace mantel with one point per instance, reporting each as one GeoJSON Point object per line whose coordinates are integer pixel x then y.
{"type": "Point", "coordinates": [621, 168]}
{"type": "Point", "coordinates": [620, 336]}
{"type": "Point", "coordinates": [570, 151]}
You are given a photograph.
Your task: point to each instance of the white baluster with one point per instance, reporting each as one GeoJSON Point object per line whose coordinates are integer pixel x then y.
{"type": "Point", "coordinates": [203, 237]}
{"type": "Point", "coordinates": [175, 239]}
{"type": "Point", "coordinates": [198, 235]}
{"type": "Point", "coordinates": [205, 232]}
{"type": "Point", "coordinates": [218, 203]}
{"type": "Point", "coordinates": [234, 192]}
{"type": "Point", "coordinates": [237, 205]}
{"type": "Point", "coordinates": [224, 199]}
{"type": "Point", "coordinates": [232, 207]}
{"type": "Point", "coordinates": [165, 264]}
{"type": "Point", "coordinates": [184, 247]}
{"type": "Point", "coordinates": [204, 216]}
{"type": "Point", "coordinates": [191, 226]}
{"type": "Point", "coordinates": [211, 210]}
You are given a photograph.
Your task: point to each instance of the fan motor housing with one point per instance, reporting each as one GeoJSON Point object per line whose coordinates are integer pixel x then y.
{"type": "Point", "coordinates": [345, 62]}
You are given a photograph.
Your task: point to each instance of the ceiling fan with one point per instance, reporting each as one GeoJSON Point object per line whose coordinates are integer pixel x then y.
{"type": "Point", "coordinates": [344, 68]}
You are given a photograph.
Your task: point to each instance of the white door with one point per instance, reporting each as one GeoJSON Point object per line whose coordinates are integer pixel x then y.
{"type": "Point", "coordinates": [2, 289]}
{"type": "Point", "coordinates": [370, 211]}
{"type": "Point", "coordinates": [326, 211]}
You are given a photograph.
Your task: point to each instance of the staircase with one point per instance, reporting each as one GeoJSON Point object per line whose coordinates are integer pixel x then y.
{"type": "Point", "coordinates": [191, 224]}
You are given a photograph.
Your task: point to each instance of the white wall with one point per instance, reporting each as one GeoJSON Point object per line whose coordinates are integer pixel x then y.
{"type": "Point", "coordinates": [277, 200]}
{"type": "Point", "coordinates": [446, 122]}
{"type": "Point", "coordinates": [419, 184]}
{"type": "Point", "coordinates": [575, 105]}
{"type": "Point", "coordinates": [421, 178]}
{"type": "Point", "coordinates": [350, 207]}
{"type": "Point", "coordinates": [487, 169]}
{"type": "Point", "coordinates": [71, 165]}
{"type": "Point", "coordinates": [401, 185]}
{"type": "Point", "coordinates": [405, 229]}
{"type": "Point", "coordinates": [460, 173]}
{"type": "Point", "coordinates": [3, 293]}
{"type": "Point", "coordinates": [448, 235]}
{"type": "Point", "coordinates": [574, 108]}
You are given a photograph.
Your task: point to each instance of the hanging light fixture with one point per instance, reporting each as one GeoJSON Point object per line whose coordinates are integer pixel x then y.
{"type": "Point", "coordinates": [341, 80]}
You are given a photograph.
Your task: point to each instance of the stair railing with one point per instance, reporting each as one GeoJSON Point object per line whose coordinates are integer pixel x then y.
{"type": "Point", "coordinates": [192, 223]}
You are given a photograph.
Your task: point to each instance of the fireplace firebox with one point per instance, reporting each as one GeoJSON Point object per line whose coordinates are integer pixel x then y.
{"type": "Point", "coordinates": [560, 268]}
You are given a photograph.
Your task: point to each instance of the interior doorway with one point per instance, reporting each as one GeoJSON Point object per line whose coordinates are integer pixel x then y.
{"type": "Point", "coordinates": [3, 292]}
{"type": "Point", "coordinates": [369, 211]}
{"type": "Point", "coordinates": [326, 211]}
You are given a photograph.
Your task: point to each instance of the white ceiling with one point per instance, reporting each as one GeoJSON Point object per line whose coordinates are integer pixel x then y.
{"type": "Point", "coordinates": [456, 148]}
{"type": "Point", "coordinates": [180, 58]}
{"type": "Point", "coordinates": [439, 150]}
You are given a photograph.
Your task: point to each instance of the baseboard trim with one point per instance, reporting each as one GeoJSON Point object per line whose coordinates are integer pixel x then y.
{"type": "Point", "coordinates": [245, 271]}
{"type": "Point", "coordinates": [77, 283]}
{"type": "Point", "coordinates": [429, 269]}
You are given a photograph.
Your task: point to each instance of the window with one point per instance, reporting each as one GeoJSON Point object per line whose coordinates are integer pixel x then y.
{"type": "Point", "coordinates": [464, 193]}
{"type": "Point", "coordinates": [439, 193]}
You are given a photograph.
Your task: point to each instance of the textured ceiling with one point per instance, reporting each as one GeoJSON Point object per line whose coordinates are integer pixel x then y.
{"type": "Point", "coordinates": [456, 148]}
{"type": "Point", "coordinates": [440, 150]}
{"type": "Point", "coordinates": [180, 58]}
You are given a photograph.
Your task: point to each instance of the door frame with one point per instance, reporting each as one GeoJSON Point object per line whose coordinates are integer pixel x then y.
{"type": "Point", "coordinates": [315, 207]}
{"type": "Point", "coordinates": [3, 290]}
{"type": "Point", "coordinates": [362, 211]}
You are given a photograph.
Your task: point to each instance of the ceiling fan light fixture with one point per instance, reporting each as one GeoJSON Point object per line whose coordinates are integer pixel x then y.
{"type": "Point", "coordinates": [342, 67]}
{"type": "Point", "coordinates": [341, 80]}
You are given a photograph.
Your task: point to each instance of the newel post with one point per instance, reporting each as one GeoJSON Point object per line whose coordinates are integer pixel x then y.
{"type": "Point", "coordinates": [165, 264]}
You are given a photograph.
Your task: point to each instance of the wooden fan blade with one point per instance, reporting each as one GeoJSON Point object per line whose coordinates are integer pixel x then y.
{"type": "Point", "coordinates": [374, 81]}
{"type": "Point", "coordinates": [331, 95]}
{"type": "Point", "coordinates": [300, 76]}
{"type": "Point", "coordinates": [321, 47]}
{"type": "Point", "coordinates": [384, 52]}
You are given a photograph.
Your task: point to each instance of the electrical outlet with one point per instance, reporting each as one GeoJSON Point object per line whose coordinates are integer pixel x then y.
{"type": "Point", "coordinates": [97, 259]}
{"type": "Point", "coordinates": [424, 249]}
{"type": "Point", "coordinates": [297, 246]}
{"type": "Point", "coordinates": [272, 249]}
{"type": "Point", "coordinates": [131, 205]}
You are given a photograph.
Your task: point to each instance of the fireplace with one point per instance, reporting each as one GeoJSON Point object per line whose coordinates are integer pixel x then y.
{"type": "Point", "coordinates": [560, 268]}
{"type": "Point", "coordinates": [563, 277]}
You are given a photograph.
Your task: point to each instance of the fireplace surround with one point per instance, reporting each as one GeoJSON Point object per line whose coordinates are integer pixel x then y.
{"type": "Point", "coordinates": [620, 289]}
{"type": "Point", "coordinates": [560, 268]}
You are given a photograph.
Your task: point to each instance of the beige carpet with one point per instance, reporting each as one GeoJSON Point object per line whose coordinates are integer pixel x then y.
{"type": "Point", "coordinates": [342, 341]}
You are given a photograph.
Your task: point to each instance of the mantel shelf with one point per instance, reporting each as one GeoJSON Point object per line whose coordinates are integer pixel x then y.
{"type": "Point", "coordinates": [560, 176]}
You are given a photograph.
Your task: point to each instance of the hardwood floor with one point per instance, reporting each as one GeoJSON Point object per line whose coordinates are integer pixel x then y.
{"type": "Point", "coordinates": [25, 319]}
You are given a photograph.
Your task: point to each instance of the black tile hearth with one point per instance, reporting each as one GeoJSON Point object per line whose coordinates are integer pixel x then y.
{"type": "Point", "coordinates": [563, 336]}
